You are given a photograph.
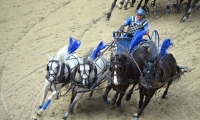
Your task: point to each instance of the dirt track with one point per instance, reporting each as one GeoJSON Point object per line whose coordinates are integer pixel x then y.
{"type": "Point", "coordinates": [32, 29]}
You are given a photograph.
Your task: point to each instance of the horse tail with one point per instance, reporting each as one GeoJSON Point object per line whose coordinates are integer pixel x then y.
{"type": "Point", "coordinates": [179, 72]}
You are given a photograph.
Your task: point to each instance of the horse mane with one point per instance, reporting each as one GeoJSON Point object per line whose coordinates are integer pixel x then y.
{"type": "Point", "coordinates": [88, 54]}
{"type": "Point", "coordinates": [124, 57]}
{"type": "Point", "coordinates": [63, 53]}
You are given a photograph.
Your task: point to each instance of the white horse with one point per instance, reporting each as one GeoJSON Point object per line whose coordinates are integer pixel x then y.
{"type": "Point", "coordinates": [59, 69]}
{"type": "Point", "coordinates": [88, 74]}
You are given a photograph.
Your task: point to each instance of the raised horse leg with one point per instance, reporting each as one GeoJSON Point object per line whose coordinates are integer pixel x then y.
{"type": "Point", "coordinates": [187, 13]}
{"type": "Point", "coordinates": [43, 105]}
{"type": "Point", "coordinates": [111, 9]}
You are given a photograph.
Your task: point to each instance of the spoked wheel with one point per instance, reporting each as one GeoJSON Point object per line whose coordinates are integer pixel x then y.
{"type": "Point", "coordinates": [156, 38]}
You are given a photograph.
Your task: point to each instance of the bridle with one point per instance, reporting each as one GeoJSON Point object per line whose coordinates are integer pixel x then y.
{"type": "Point", "coordinates": [123, 80]}
{"type": "Point", "coordinates": [55, 73]}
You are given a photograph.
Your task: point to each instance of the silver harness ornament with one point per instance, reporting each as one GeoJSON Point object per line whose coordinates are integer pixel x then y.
{"type": "Point", "coordinates": [136, 26]}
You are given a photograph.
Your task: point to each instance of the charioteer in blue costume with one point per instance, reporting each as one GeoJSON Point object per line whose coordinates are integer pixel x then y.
{"type": "Point", "coordinates": [134, 23]}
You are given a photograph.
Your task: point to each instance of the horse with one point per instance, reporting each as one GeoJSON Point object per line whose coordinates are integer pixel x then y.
{"type": "Point", "coordinates": [86, 76]}
{"type": "Point", "coordinates": [168, 7]}
{"type": "Point", "coordinates": [189, 10]}
{"type": "Point", "coordinates": [125, 6]}
{"type": "Point", "coordinates": [58, 69]}
{"type": "Point", "coordinates": [126, 69]}
{"type": "Point", "coordinates": [158, 71]}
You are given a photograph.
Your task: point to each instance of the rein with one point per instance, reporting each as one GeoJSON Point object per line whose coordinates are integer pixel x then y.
{"type": "Point", "coordinates": [148, 86]}
{"type": "Point", "coordinates": [160, 84]}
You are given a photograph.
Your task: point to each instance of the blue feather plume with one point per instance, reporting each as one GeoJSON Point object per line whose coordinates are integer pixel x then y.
{"type": "Point", "coordinates": [165, 45]}
{"type": "Point", "coordinates": [97, 50]}
{"type": "Point", "coordinates": [137, 38]}
{"type": "Point", "coordinates": [73, 45]}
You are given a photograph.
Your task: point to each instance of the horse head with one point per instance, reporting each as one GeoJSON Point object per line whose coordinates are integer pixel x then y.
{"type": "Point", "coordinates": [84, 71]}
{"type": "Point", "coordinates": [53, 68]}
{"type": "Point", "coordinates": [119, 66]}
{"type": "Point", "coordinates": [149, 71]}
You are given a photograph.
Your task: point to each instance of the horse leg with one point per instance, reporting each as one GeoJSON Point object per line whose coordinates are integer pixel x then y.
{"type": "Point", "coordinates": [120, 4]}
{"type": "Point", "coordinates": [48, 101]}
{"type": "Point", "coordinates": [111, 9]}
{"type": "Point", "coordinates": [153, 3]}
{"type": "Point", "coordinates": [139, 5]}
{"type": "Point", "coordinates": [132, 3]}
{"type": "Point", "coordinates": [177, 5]}
{"type": "Point", "coordinates": [118, 104]}
{"type": "Point", "coordinates": [168, 11]}
{"type": "Point", "coordinates": [188, 6]}
{"type": "Point", "coordinates": [148, 95]}
{"type": "Point", "coordinates": [141, 92]}
{"type": "Point", "coordinates": [70, 108]}
{"type": "Point", "coordinates": [126, 4]}
{"type": "Point", "coordinates": [114, 99]}
{"type": "Point", "coordinates": [44, 95]}
{"type": "Point", "coordinates": [166, 90]}
{"type": "Point", "coordinates": [128, 96]}
{"type": "Point", "coordinates": [186, 15]}
{"type": "Point", "coordinates": [145, 6]}
{"type": "Point", "coordinates": [105, 96]}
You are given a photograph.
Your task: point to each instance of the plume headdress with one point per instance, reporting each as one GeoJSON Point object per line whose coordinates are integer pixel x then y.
{"type": "Point", "coordinates": [137, 38]}
{"type": "Point", "coordinates": [72, 47]}
{"type": "Point", "coordinates": [100, 47]}
{"type": "Point", "coordinates": [165, 45]}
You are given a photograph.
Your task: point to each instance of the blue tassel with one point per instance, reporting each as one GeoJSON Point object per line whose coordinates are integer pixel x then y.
{"type": "Point", "coordinates": [73, 45]}
{"type": "Point", "coordinates": [46, 104]}
{"type": "Point", "coordinates": [165, 45]}
{"type": "Point", "coordinates": [97, 50]}
{"type": "Point", "coordinates": [137, 38]}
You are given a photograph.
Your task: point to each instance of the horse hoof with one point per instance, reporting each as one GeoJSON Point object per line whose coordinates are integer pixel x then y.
{"type": "Point", "coordinates": [136, 118]}
{"type": "Point", "coordinates": [163, 97]}
{"type": "Point", "coordinates": [120, 6]}
{"type": "Point", "coordinates": [64, 118]}
{"type": "Point", "coordinates": [127, 98]}
{"type": "Point", "coordinates": [40, 112]}
{"type": "Point", "coordinates": [107, 102]}
{"type": "Point", "coordinates": [118, 106]}
{"type": "Point", "coordinates": [34, 117]}
{"type": "Point", "coordinates": [125, 8]}
{"type": "Point", "coordinates": [181, 21]}
{"type": "Point", "coordinates": [135, 115]}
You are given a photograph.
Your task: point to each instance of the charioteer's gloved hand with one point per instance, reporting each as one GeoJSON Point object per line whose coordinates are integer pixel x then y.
{"type": "Point", "coordinates": [120, 30]}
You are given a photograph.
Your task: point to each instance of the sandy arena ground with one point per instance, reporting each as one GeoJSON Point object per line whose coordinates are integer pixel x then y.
{"type": "Point", "coordinates": [31, 29]}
